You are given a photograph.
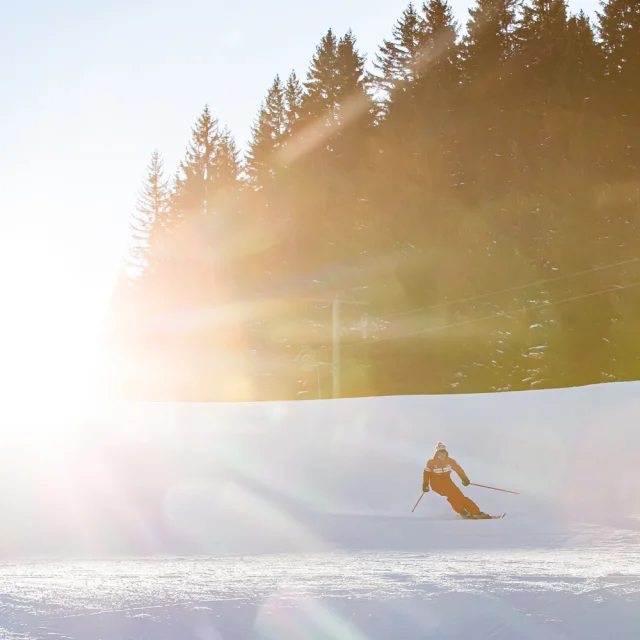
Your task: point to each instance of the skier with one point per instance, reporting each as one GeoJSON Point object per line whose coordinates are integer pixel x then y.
{"type": "Point", "coordinates": [437, 473]}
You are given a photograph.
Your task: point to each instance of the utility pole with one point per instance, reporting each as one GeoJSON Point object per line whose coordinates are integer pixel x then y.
{"type": "Point", "coordinates": [336, 302]}
{"type": "Point", "coordinates": [336, 347]}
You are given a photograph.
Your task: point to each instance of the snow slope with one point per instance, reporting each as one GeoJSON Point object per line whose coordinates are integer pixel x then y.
{"type": "Point", "coordinates": [292, 520]}
{"type": "Point", "coordinates": [502, 595]}
{"type": "Point", "coordinates": [309, 476]}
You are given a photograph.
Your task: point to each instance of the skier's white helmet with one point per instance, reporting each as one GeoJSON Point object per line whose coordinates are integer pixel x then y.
{"type": "Point", "coordinates": [440, 447]}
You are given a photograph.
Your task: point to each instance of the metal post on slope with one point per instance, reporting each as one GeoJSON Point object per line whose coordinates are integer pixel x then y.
{"type": "Point", "coordinates": [336, 347]}
{"type": "Point", "coordinates": [336, 302]}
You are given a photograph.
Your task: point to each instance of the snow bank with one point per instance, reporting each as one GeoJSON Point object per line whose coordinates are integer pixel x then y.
{"type": "Point", "coordinates": [303, 476]}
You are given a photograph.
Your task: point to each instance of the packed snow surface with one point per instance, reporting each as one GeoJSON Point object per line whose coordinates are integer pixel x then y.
{"type": "Point", "coordinates": [510, 594]}
{"type": "Point", "coordinates": [293, 521]}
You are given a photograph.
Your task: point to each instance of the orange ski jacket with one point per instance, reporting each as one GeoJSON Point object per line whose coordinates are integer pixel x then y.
{"type": "Point", "coordinates": [437, 473]}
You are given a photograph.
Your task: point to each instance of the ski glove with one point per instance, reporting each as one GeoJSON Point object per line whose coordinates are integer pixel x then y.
{"type": "Point", "coordinates": [465, 482]}
{"type": "Point", "coordinates": [425, 488]}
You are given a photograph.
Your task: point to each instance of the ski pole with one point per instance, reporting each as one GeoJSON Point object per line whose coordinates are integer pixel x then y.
{"type": "Point", "coordinates": [484, 486]}
{"type": "Point", "coordinates": [417, 503]}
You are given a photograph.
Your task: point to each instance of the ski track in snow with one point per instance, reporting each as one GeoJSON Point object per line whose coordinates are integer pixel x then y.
{"type": "Point", "coordinates": [584, 592]}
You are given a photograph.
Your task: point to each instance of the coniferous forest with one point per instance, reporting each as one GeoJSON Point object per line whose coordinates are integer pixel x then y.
{"type": "Point", "coordinates": [469, 192]}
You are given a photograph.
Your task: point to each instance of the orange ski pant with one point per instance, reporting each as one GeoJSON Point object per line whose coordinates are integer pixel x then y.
{"type": "Point", "coordinates": [456, 498]}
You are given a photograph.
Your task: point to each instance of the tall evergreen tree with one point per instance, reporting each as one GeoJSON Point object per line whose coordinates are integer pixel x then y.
{"type": "Point", "coordinates": [425, 113]}
{"type": "Point", "coordinates": [441, 63]}
{"type": "Point", "coordinates": [351, 77]}
{"type": "Point", "coordinates": [321, 83]}
{"type": "Point", "coordinates": [352, 82]}
{"type": "Point", "coordinates": [584, 59]}
{"type": "Point", "coordinates": [268, 135]}
{"type": "Point", "coordinates": [618, 28]}
{"type": "Point", "coordinates": [226, 163]}
{"type": "Point", "coordinates": [198, 171]}
{"type": "Point", "coordinates": [489, 43]}
{"type": "Point", "coordinates": [152, 215]}
{"type": "Point", "coordinates": [619, 25]}
{"type": "Point", "coordinates": [542, 36]}
{"type": "Point", "coordinates": [211, 168]}
{"type": "Point", "coordinates": [206, 192]}
{"type": "Point", "coordinates": [486, 111]}
{"type": "Point", "coordinates": [293, 99]}
{"type": "Point", "coordinates": [398, 60]}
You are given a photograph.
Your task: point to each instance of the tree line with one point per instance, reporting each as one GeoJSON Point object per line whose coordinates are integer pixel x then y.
{"type": "Point", "coordinates": [471, 194]}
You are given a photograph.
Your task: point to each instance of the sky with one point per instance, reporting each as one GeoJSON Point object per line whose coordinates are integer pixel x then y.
{"type": "Point", "coordinates": [89, 90]}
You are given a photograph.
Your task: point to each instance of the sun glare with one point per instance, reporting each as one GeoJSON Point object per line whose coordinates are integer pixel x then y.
{"type": "Point", "coordinates": [49, 339]}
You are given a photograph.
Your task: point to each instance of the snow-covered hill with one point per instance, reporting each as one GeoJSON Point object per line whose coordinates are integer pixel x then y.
{"type": "Point", "coordinates": [308, 476]}
{"type": "Point", "coordinates": [293, 520]}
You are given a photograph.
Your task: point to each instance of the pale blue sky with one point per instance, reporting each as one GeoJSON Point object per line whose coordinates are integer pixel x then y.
{"type": "Point", "coordinates": [89, 89]}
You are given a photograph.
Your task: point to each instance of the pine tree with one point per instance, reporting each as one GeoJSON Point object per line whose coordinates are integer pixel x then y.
{"type": "Point", "coordinates": [293, 100]}
{"type": "Point", "coordinates": [584, 60]}
{"type": "Point", "coordinates": [489, 43]}
{"type": "Point", "coordinates": [441, 64]}
{"type": "Point", "coordinates": [195, 182]}
{"type": "Point", "coordinates": [351, 77]}
{"type": "Point", "coordinates": [398, 60]}
{"type": "Point", "coordinates": [268, 135]}
{"type": "Point", "coordinates": [487, 111]}
{"type": "Point", "coordinates": [321, 84]}
{"type": "Point", "coordinates": [542, 38]}
{"type": "Point", "coordinates": [619, 26]}
{"type": "Point", "coordinates": [211, 166]}
{"type": "Point", "coordinates": [541, 96]}
{"type": "Point", "coordinates": [352, 82]}
{"type": "Point", "coordinates": [436, 93]}
{"type": "Point", "coordinates": [152, 215]}
{"type": "Point", "coordinates": [226, 161]}
{"type": "Point", "coordinates": [207, 190]}
{"type": "Point", "coordinates": [225, 192]}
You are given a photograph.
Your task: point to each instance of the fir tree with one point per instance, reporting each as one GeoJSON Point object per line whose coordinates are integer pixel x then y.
{"type": "Point", "coordinates": [226, 162]}
{"type": "Point", "coordinates": [293, 100]}
{"type": "Point", "coordinates": [542, 38]}
{"type": "Point", "coordinates": [268, 135]}
{"type": "Point", "coordinates": [194, 182]}
{"type": "Point", "coordinates": [584, 60]}
{"type": "Point", "coordinates": [619, 26]}
{"type": "Point", "coordinates": [440, 65]}
{"type": "Point", "coordinates": [352, 81]}
{"type": "Point", "coordinates": [351, 77]}
{"type": "Point", "coordinates": [398, 60]}
{"type": "Point", "coordinates": [226, 185]}
{"type": "Point", "coordinates": [487, 104]}
{"type": "Point", "coordinates": [321, 84]}
{"type": "Point", "coordinates": [152, 216]}
{"type": "Point", "coordinates": [489, 42]}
